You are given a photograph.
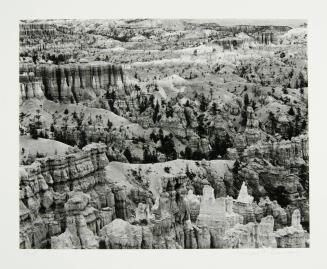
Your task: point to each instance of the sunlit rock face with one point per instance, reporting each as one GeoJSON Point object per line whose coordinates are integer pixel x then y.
{"type": "Point", "coordinates": [266, 236]}
{"type": "Point", "coordinates": [90, 219]}
{"type": "Point", "coordinates": [287, 153]}
{"type": "Point", "coordinates": [251, 235]}
{"type": "Point", "coordinates": [121, 234]}
{"type": "Point", "coordinates": [30, 87]}
{"type": "Point", "coordinates": [48, 206]}
{"type": "Point", "coordinates": [69, 83]}
{"type": "Point", "coordinates": [294, 236]}
{"type": "Point", "coordinates": [78, 233]}
{"type": "Point", "coordinates": [243, 196]}
{"type": "Point", "coordinates": [252, 132]}
{"type": "Point", "coordinates": [274, 209]}
{"type": "Point", "coordinates": [217, 214]}
{"type": "Point", "coordinates": [193, 203]}
{"type": "Point", "coordinates": [243, 205]}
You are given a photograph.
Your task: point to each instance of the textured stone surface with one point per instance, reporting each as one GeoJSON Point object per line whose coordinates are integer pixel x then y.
{"type": "Point", "coordinates": [205, 132]}
{"type": "Point", "coordinates": [77, 233]}
{"type": "Point", "coordinates": [74, 82]}
{"type": "Point", "coordinates": [217, 214]}
{"type": "Point", "coordinates": [121, 234]}
{"type": "Point", "coordinates": [46, 200]}
{"type": "Point", "coordinates": [293, 236]}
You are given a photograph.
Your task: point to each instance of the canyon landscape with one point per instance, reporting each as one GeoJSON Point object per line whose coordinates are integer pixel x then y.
{"type": "Point", "coordinates": [163, 134]}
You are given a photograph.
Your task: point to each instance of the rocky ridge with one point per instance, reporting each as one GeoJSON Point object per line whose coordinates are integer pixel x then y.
{"type": "Point", "coordinates": [70, 202]}
{"type": "Point", "coordinates": [69, 83]}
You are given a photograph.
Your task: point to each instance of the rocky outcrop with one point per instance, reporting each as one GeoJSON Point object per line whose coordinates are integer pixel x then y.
{"type": "Point", "coordinates": [274, 209]}
{"type": "Point", "coordinates": [46, 205]}
{"type": "Point", "coordinates": [74, 82]}
{"type": "Point", "coordinates": [77, 233]}
{"type": "Point", "coordinates": [217, 214]}
{"type": "Point", "coordinates": [258, 233]}
{"type": "Point", "coordinates": [193, 203]}
{"type": "Point", "coordinates": [252, 132]}
{"type": "Point", "coordinates": [251, 235]}
{"type": "Point", "coordinates": [243, 205]}
{"type": "Point", "coordinates": [277, 182]}
{"type": "Point", "coordinates": [266, 38]}
{"type": "Point", "coordinates": [288, 153]}
{"type": "Point", "coordinates": [60, 211]}
{"type": "Point", "coordinates": [35, 29]}
{"type": "Point", "coordinates": [265, 235]}
{"type": "Point", "coordinates": [121, 234]}
{"type": "Point", "coordinates": [294, 236]}
{"type": "Point", "coordinates": [121, 203]}
{"type": "Point", "coordinates": [30, 87]}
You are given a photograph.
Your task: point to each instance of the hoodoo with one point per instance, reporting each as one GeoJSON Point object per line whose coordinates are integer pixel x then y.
{"type": "Point", "coordinates": [152, 134]}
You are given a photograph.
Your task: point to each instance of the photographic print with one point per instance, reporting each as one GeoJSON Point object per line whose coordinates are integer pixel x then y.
{"type": "Point", "coordinates": [163, 134]}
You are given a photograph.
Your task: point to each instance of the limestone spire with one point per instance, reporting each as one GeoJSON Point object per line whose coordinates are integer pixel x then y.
{"type": "Point", "coordinates": [243, 196]}
{"type": "Point", "coordinates": [296, 219]}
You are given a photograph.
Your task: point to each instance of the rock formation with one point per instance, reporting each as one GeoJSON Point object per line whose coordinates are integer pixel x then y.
{"type": "Point", "coordinates": [294, 236]}
{"type": "Point", "coordinates": [121, 234]}
{"type": "Point", "coordinates": [162, 134]}
{"type": "Point", "coordinates": [47, 206]}
{"type": "Point", "coordinates": [77, 233]}
{"type": "Point", "coordinates": [73, 82]}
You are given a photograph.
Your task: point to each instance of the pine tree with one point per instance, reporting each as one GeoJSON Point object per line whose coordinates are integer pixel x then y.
{"type": "Point", "coordinates": [146, 155]}
{"type": "Point", "coordinates": [198, 155]}
{"type": "Point", "coordinates": [151, 101]}
{"type": "Point", "coordinates": [202, 131]}
{"type": "Point", "coordinates": [161, 135]}
{"type": "Point", "coordinates": [154, 137]}
{"type": "Point", "coordinates": [169, 110]}
{"type": "Point", "coordinates": [291, 111]}
{"type": "Point", "coordinates": [254, 105]}
{"type": "Point", "coordinates": [244, 116]}
{"type": "Point", "coordinates": [273, 122]}
{"type": "Point", "coordinates": [33, 132]}
{"type": "Point", "coordinates": [155, 113]}
{"type": "Point", "coordinates": [290, 131]}
{"type": "Point", "coordinates": [220, 146]}
{"type": "Point", "coordinates": [128, 155]}
{"type": "Point", "coordinates": [304, 125]}
{"type": "Point", "coordinates": [109, 124]}
{"type": "Point", "coordinates": [149, 157]}
{"type": "Point", "coordinates": [83, 139]}
{"type": "Point", "coordinates": [246, 100]}
{"type": "Point", "coordinates": [236, 167]}
{"type": "Point", "coordinates": [214, 109]}
{"type": "Point", "coordinates": [168, 146]}
{"type": "Point", "coordinates": [203, 103]}
{"type": "Point", "coordinates": [188, 153]}
{"type": "Point", "coordinates": [301, 81]}
{"type": "Point", "coordinates": [297, 126]}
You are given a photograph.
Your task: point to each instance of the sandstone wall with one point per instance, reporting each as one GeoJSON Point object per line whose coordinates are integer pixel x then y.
{"type": "Point", "coordinates": [72, 82]}
{"type": "Point", "coordinates": [287, 153]}
{"type": "Point", "coordinates": [68, 202]}
{"type": "Point", "coordinates": [44, 190]}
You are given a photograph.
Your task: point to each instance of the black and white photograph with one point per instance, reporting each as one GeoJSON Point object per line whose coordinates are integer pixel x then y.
{"type": "Point", "coordinates": [163, 133]}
